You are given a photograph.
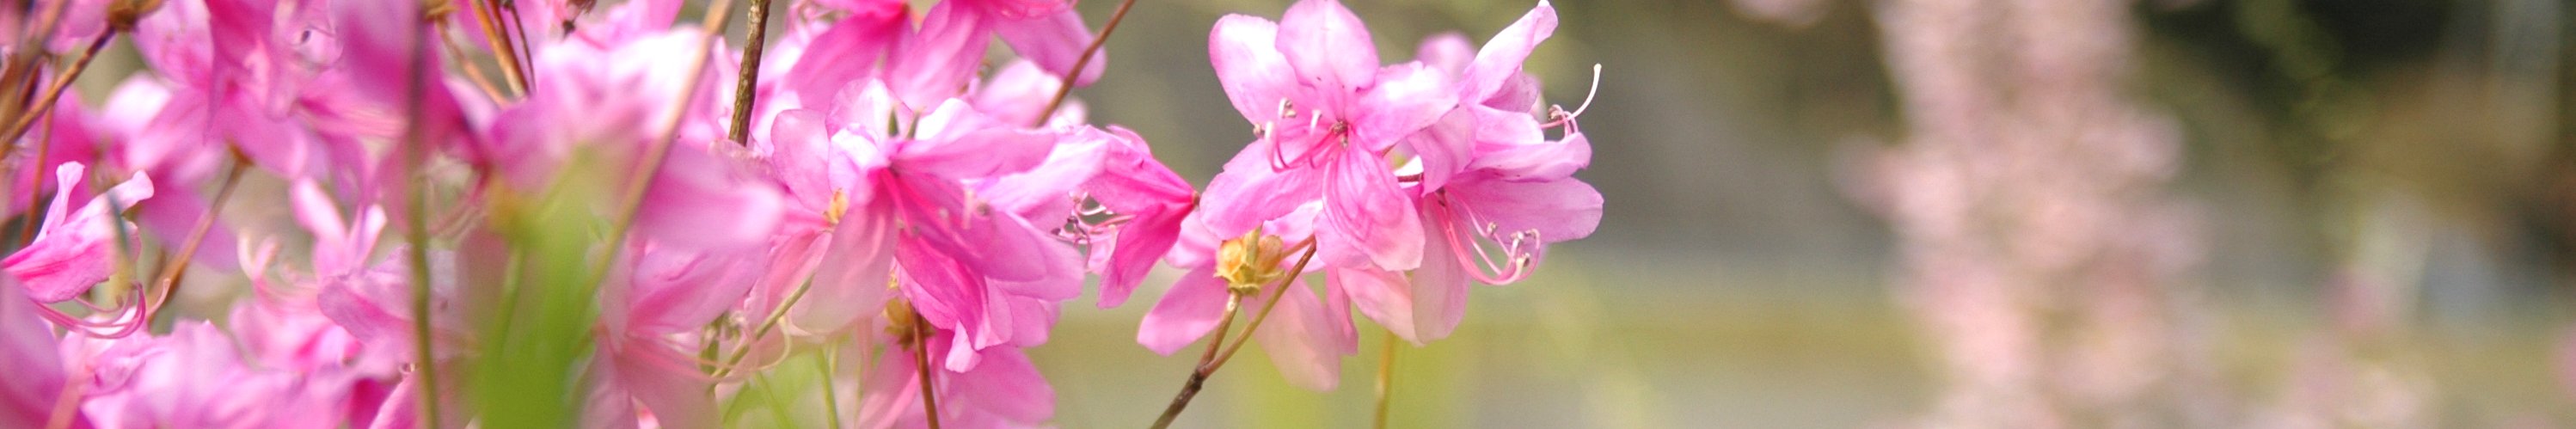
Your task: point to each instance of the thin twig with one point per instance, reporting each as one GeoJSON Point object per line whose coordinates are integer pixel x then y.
{"type": "Point", "coordinates": [527, 56]}
{"type": "Point", "coordinates": [766, 324]}
{"type": "Point", "coordinates": [1066, 87]}
{"type": "Point", "coordinates": [921, 362]}
{"type": "Point", "coordinates": [1199, 373]}
{"type": "Point", "coordinates": [36, 192]}
{"type": "Point", "coordinates": [1264, 315]}
{"type": "Point", "coordinates": [488, 13]}
{"type": "Point", "coordinates": [472, 73]}
{"type": "Point", "coordinates": [197, 236]}
{"type": "Point", "coordinates": [44, 104]}
{"type": "Point", "coordinates": [1207, 367]}
{"type": "Point", "coordinates": [749, 79]}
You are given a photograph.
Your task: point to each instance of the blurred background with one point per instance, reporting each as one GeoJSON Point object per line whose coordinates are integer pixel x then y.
{"type": "Point", "coordinates": [1967, 213]}
{"type": "Point", "coordinates": [1958, 213]}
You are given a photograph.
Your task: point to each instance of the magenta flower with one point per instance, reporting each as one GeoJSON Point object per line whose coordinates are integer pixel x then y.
{"type": "Point", "coordinates": [75, 250]}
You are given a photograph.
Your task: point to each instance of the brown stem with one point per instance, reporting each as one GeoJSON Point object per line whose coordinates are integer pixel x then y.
{"type": "Point", "coordinates": [749, 78]}
{"type": "Point", "coordinates": [472, 73]}
{"type": "Point", "coordinates": [35, 193]}
{"type": "Point", "coordinates": [196, 236]}
{"type": "Point", "coordinates": [1066, 87]}
{"type": "Point", "coordinates": [1209, 363]}
{"type": "Point", "coordinates": [487, 13]}
{"type": "Point", "coordinates": [1273, 304]}
{"type": "Point", "coordinates": [1199, 373]}
{"type": "Point", "coordinates": [527, 57]}
{"type": "Point", "coordinates": [18, 126]}
{"type": "Point", "coordinates": [921, 362]}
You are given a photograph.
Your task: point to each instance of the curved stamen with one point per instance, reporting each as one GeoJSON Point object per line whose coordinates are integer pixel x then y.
{"type": "Point", "coordinates": [1519, 256]}
{"type": "Point", "coordinates": [1561, 117]}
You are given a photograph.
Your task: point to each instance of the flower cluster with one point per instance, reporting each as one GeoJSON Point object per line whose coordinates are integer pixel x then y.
{"type": "Point", "coordinates": [599, 199]}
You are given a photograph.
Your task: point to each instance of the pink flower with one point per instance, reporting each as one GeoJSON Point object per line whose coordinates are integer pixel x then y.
{"type": "Point", "coordinates": [1328, 115]}
{"type": "Point", "coordinates": [895, 197]}
{"type": "Point", "coordinates": [75, 250]}
{"type": "Point", "coordinates": [1486, 173]}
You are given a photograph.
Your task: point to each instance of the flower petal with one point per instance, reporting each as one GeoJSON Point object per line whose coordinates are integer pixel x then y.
{"type": "Point", "coordinates": [1327, 45]}
{"type": "Point", "coordinates": [1307, 339]}
{"type": "Point", "coordinates": [1367, 218]}
{"type": "Point", "coordinates": [1248, 65]}
{"type": "Point", "coordinates": [1188, 311]}
{"type": "Point", "coordinates": [1502, 56]}
{"type": "Point", "coordinates": [1054, 41]}
{"type": "Point", "coordinates": [964, 144]}
{"type": "Point", "coordinates": [1559, 210]}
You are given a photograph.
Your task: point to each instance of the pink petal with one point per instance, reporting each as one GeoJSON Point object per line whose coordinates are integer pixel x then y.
{"type": "Point", "coordinates": [675, 396]}
{"type": "Point", "coordinates": [1327, 45]}
{"type": "Point", "coordinates": [845, 52]}
{"type": "Point", "coordinates": [28, 349]}
{"type": "Point", "coordinates": [965, 144]}
{"type": "Point", "coordinates": [934, 62]}
{"type": "Point", "coordinates": [1006, 384]}
{"type": "Point", "coordinates": [1439, 288]}
{"type": "Point", "coordinates": [698, 201]}
{"type": "Point", "coordinates": [1249, 192]}
{"type": "Point", "coordinates": [1248, 65]}
{"type": "Point", "coordinates": [1407, 98]}
{"type": "Point", "coordinates": [1054, 41]}
{"type": "Point", "coordinates": [1449, 52]}
{"type": "Point", "coordinates": [1502, 56]}
{"type": "Point", "coordinates": [1040, 194]}
{"type": "Point", "coordinates": [1188, 311]}
{"type": "Point", "coordinates": [1306, 339]}
{"type": "Point", "coordinates": [1367, 219]}
{"type": "Point", "coordinates": [850, 283]}
{"type": "Point", "coordinates": [1445, 148]}
{"type": "Point", "coordinates": [1561, 209]}
{"type": "Point", "coordinates": [1381, 295]}
{"type": "Point", "coordinates": [1536, 160]}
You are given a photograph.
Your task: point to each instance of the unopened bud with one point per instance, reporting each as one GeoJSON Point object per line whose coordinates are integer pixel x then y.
{"type": "Point", "coordinates": [1249, 262]}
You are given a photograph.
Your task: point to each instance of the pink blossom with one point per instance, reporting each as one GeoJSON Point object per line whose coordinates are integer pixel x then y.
{"type": "Point", "coordinates": [1486, 173]}
{"type": "Point", "coordinates": [76, 250]}
{"type": "Point", "coordinates": [1328, 115]}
